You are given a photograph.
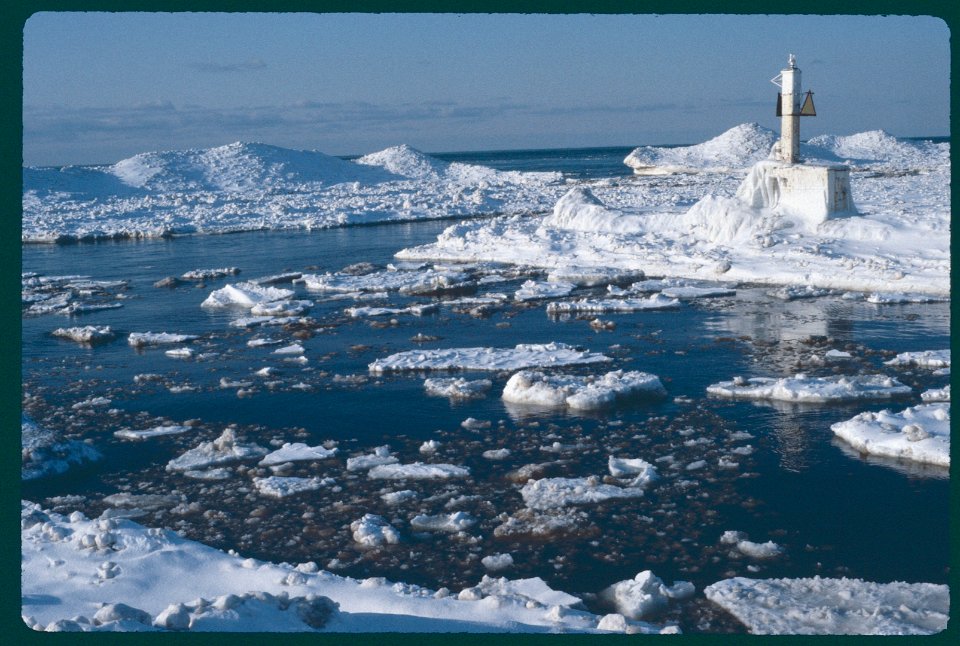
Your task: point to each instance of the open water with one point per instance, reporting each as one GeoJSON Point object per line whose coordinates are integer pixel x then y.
{"type": "Point", "coordinates": [834, 512]}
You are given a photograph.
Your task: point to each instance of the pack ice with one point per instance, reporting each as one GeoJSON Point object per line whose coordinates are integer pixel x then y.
{"type": "Point", "coordinates": [919, 433]}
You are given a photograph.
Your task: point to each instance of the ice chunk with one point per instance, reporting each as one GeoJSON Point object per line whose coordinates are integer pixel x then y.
{"type": "Point", "coordinates": [210, 274]}
{"type": "Point", "coordinates": [157, 431]}
{"type": "Point", "coordinates": [245, 295]}
{"type": "Point", "coordinates": [455, 522]}
{"type": "Point", "coordinates": [457, 388]}
{"type": "Point", "coordinates": [522, 356]}
{"type": "Point", "coordinates": [373, 531]}
{"type": "Point", "coordinates": [381, 455]}
{"type": "Point", "coordinates": [88, 334]}
{"type": "Point", "coordinates": [645, 594]}
{"type": "Point", "coordinates": [688, 292]}
{"type": "Point", "coordinates": [221, 450]}
{"type": "Point", "coordinates": [801, 388]}
{"type": "Point", "coordinates": [642, 471]}
{"type": "Point", "coordinates": [549, 493]}
{"type": "Point", "coordinates": [936, 394]}
{"type": "Point", "coordinates": [140, 339]}
{"type": "Point", "coordinates": [920, 433]}
{"type": "Point", "coordinates": [833, 606]}
{"type": "Point", "coordinates": [653, 302]}
{"type": "Point", "coordinates": [924, 359]}
{"type": "Point", "coordinates": [297, 452]}
{"type": "Point", "coordinates": [281, 486]}
{"type": "Point", "coordinates": [579, 393]}
{"type": "Point", "coordinates": [532, 290]}
{"type": "Point", "coordinates": [497, 562]}
{"type": "Point", "coordinates": [418, 471]}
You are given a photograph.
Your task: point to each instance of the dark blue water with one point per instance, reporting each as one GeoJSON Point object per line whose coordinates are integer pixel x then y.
{"type": "Point", "coordinates": [835, 513]}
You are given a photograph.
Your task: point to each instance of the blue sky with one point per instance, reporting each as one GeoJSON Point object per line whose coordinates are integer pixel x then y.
{"type": "Point", "coordinates": [99, 87]}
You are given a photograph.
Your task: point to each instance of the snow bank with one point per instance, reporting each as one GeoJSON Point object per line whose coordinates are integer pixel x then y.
{"type": "Point", "coordinates": [167, 582]}
{"type": "Point", "coordinates": [644, 595]}
{"type": "Point", "coordinates": [579, 393]}
{"type": "Point", "coordinates": [517, 358]}
{"type": "Point", "coordinates": [801, 388]}
{"type": "Point", "coordinates": [920, 433]}
{"type": "Point", "coordinates": [580, 210]}
{"type": "Point", "coordinates": [833, 606]}
{"type": "Point", "coordinates": [44, 453]}
{"type": "Point", "coordinates": [738, 147]}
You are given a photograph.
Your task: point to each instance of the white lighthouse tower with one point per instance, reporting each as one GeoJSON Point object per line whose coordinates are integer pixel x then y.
{"type": "Point", "coordinates": [808, 191]}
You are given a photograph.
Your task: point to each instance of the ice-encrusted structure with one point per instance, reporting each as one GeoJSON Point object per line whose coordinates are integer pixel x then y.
{"type": "Point", "coordinates": [919, 433]}
{"type": "Point", "coordinates": [738, 228]}
{"type": "Point", "coordinates": [822, 606]}
{"type": "Point", "coordinates": [801, 388]}
{"type": "Point", "coordinates": [579, 392]}
{"type": "Point", "coordinates": [517, 358]}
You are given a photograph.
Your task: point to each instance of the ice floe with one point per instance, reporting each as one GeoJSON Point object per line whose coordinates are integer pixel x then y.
{"type": "Point", "coordinates": [283, 486]}
{"type": "Point", "coordinates": [532, 290]}
{"type": "Point", "coordinates": [86, 335]}
{"type": "Point", "coordinates": [820, 606]}
{"type": "Point", "coordinates": [245, 295]}
{"type": "Point", "coordinates": [140, 339]}
{"type": "Point", "coordinates": [45, 453]}
{"type": "Point", "coordinates": [381, 455]}
{"type": "Point", "coordinates": [749, 548]}
{"type": "Point", "coordinates": [607, 305]}
{"type": "Point", "coordinates": [579, 392]}
{"type": "Point", "coordinates": [517, 358]}
{"type": "Point", "coordinates": [222, 450]}
{"type": "Point", "coordinates": [923, 359]}
{"type": "Point", "coordinates": [417, 471]}
{"type": "Point", "coordinates": [457, 388]}
{"type": "Point", "coordinates": [297, 452]}
{"type": "Point", "coordinates": [936, 394]}
{"type": "Point", "coordinates": [156, 431]}
{"type": "Point", "coordinates": [801, 388]}
{"type": "Point", "coordinates": [552, 493]}
{"type": "Point", "coordinates": [373, 531]}
{"type": "Point", "coordinates": [919, 433]}
{"type": "Point", "coordinates": [455, 522]}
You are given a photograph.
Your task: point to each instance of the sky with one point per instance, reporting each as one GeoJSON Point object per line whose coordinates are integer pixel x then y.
{"type": "Point", "coordinates": [101, 87]}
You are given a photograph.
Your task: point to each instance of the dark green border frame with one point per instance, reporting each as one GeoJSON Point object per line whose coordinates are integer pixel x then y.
{"type": "Point", "coordinates": [11, 47]}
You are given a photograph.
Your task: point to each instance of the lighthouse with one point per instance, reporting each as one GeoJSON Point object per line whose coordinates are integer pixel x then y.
{"type": "Point", "coordinates": [790, 109]}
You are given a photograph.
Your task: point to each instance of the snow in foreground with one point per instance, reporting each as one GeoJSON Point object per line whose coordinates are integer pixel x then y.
{"type": "Point", "coordinates": [920, 433]}
{"type": "Point", "coordinates": [731, 227]}
{"type": "Point", "coordinates": [114, 574]}
{"type": "Point", "coordinates": [833, 606]}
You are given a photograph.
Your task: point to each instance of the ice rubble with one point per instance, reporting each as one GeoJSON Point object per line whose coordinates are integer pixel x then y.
{"type": "Point", "coordinates": [820, 606]}
{"type": "Point", "coordinates": [579, 392]}
{"type": "Point", "coordinates": [919, 433]}
{"type": "Point", "coordinates": [517, 358]}
{"type": "Point", "coordinates": [248, 186]}
{"type": "Point", "coordinates": [708, 227]}
{"type": "Point", "coordinates": [164, 581]}
{"type": "Point", "coordinates": [44, 453]}
{"type": "Point", "coordinates": [645, 594]}
{"type": "Point", "coordinates": [801, 388]}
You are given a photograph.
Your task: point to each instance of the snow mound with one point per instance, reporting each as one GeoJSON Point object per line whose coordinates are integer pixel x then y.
{"type": "Point", "coordinates": [237, 167]}
{"type": "Point", "coordinates": [876, 146]}
{"type": "Point", "coordinates": [580, 210]}
{"type": "Point", "coordinates": [736, 148]}
{"type": "Point", "coordinates": [833, 606]}
{"type": "Point", "coordinates": [407, 162]}
{"type": "Point", "coordinates": [579, 393]}
{"type": "Point", "coordinates": [801, 388]}
{"type": "Point", "coordinates": [518, 358]}
{"type": "Point", "coordinates": [920, 433]}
